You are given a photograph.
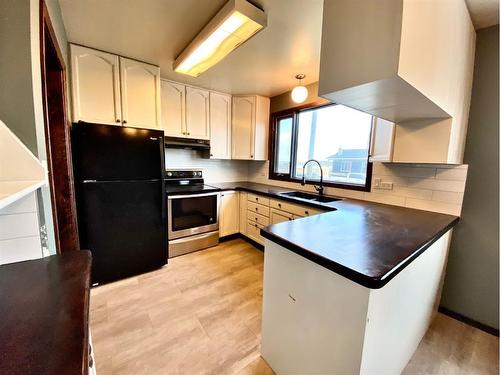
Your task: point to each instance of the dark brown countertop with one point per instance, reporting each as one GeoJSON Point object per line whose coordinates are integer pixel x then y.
{"type": "Point", "coordinates": [368, 243]}
{"type": "Point", "coordinates": [271, 191]}
{"type": "Point", "coordinates": [44, 315]}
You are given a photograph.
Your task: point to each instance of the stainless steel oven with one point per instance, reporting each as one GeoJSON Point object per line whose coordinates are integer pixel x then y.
{"type": "Point", "coordinates": [193, 222]}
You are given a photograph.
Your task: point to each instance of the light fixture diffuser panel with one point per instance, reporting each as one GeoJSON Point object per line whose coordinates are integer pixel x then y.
{"type": "Point", "coordinates": [233, 25]}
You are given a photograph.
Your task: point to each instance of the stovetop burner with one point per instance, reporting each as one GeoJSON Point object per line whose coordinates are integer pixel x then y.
{"type": "Point", "coordinates": [186, 182]}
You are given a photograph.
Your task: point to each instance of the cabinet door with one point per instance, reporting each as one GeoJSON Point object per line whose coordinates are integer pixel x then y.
{"type": "Point", "coordinates": [173, 108]}
{"type": "Point", "coordinates": [95, 82]}
{"type": "Point", "coordinates": [197, 113]}
{"type": "Point", "coordinates": [229, 213]}
{"type": "Point", "coordinates": [276, 216]}
{"type": "Point", "coordinates": [220, 126]}
{"type": "Point", "coordinates": [140, 88]}
{"type": "Point", "coordinates": [243, 212]}
{"type": "Point", "coordinates": [382, 140]}
{"type": "Point", "coordinates": [242, 127]}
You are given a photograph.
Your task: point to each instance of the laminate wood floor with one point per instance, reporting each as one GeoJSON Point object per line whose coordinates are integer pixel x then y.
{"type": "Point", "coordinates": [202, 314]}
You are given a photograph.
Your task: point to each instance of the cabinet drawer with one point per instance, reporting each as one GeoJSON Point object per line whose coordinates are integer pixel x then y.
{"type": "Point", "coordinates": [293, 208]}
{"type": "Point", "coordinates": [258, 199]}
{"type": "Point", "coordinates": [260, 219]}
{"type": "Point", "coordinates": [277, 216]}
{"type": "Point", "coordinates": [253, 232]}
{"type": "Point", "coordinates": [258, 208]}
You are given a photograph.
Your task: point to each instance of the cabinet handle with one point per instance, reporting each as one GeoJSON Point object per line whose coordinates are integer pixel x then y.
{"type": "Point", "coordinates": [256, 209]}
{"type": "Point", "coordinates": [306, 212]}
{"type": "Point", "coordinates": [256, 199]}
{"type": "Point", "coordinates": [188, 133]}
{"type": "Point", "coordinates": [251, 156]}
{"type": "Point", "coordinates": [211, 154]}
{"type": "Point", "coordinates": [256, 219]}
{"type": "Point", "coordinates": [124, 121]}
{"type": "Point", "coordinates": [279, 205]}
{"type": "Point", "coordinates": [256, 226]}
{"type": "Point", "coordinates": [118, 120]}
{"type": "Point", "coordinates": [290, 218]}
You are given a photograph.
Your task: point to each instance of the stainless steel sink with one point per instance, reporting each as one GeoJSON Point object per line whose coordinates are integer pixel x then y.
{"type": "Point", "coordinates": [309, 197]}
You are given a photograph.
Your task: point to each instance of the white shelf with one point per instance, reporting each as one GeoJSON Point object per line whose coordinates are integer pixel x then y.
{"type": "Point", "coordinates": [20, 171]}
{"type": "Point", "coordinates": [11, 191]}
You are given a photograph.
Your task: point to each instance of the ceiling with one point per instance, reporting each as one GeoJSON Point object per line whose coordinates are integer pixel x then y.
{"type": "Point", "coordinates": [484, 13]}
{"type": "Point", "coordinates": [156, 31]}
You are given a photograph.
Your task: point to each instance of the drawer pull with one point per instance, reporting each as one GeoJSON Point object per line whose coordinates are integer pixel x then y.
{"type": "Point", "coordinates": [256, 219]}
{"type": "Point", "coordinates": [255, 225]}
{"type": "Point", "coordinates": [279, 205]}
{"type": "Point", "coordinates": [306, 212]}
{"type": "Point", "coordinates": [256, 198]}
{"type": "Point", "coordinates": [290, 219]}
{"type": "Point", "coordinates": [256, 208]}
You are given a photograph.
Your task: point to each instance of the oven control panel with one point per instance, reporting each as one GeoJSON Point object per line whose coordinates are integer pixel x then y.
{"type": "Point", "coordinates": [183, 174]}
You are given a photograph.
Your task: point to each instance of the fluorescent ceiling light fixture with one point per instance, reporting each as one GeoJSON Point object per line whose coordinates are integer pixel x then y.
{"type": "Point", "coordinates": [233, 25]}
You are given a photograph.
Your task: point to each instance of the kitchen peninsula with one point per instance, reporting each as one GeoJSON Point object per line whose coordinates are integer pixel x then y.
{"type": "Point", "coordinates": [341, 287]}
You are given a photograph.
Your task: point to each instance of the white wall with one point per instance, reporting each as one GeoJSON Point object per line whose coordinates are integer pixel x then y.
{"type": "Point", "coordinates": [431, 187]}
{"type": "Point", "coordinates": [213, 170]}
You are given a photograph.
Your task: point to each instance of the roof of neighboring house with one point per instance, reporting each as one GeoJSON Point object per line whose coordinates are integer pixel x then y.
{"type": "Point", "coordinates": [353, 153]}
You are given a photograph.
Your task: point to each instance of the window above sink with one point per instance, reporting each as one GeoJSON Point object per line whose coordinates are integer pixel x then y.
{"type": "Point", "coordinates": [335, 135]}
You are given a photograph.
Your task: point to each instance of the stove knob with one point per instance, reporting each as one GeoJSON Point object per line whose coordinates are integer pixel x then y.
{"type": "Point", "coordinates": [169, 174]}
{"type": "Point", "coordinates": [199, 174]}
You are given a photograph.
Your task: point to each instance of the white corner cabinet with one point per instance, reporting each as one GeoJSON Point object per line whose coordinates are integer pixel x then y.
{"type": "Point", "coordinates": [220, 126]}
{"type": "Point", "coordinates": [250, 127]}
{"type": "Point", "coordinates": [414, 69]}
{"type": "Point", "coordinates": [229, 213]}
{"type": "Point", "coordinates": [114, 90]}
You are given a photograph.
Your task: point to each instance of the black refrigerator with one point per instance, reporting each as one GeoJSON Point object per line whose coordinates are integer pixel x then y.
{"type": "Point", "coordinates": [120, 197]}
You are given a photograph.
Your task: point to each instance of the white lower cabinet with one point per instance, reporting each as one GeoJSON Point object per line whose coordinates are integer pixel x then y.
{"type": "Point", "coordinates": [243, 212]}
{"type": "Point", "coordinates": [260, 211]}
{"type": "Point", "coordinates": [277, 216]}
{"type": "Point", "coordinates": [229, 213]}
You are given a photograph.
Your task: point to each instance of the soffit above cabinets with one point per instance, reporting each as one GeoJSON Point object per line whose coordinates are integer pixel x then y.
{"type": "Point", "coordinates": [484, 13]}
{"type": "Point", "coordinates": [156, 31]}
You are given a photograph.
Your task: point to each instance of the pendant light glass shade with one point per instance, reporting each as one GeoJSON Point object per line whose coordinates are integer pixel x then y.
{"type": "Point", "coordinates": [299, 93]}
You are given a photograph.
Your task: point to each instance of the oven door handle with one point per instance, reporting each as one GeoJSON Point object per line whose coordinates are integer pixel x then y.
{"type": "Point", "coordinates": [191, 196]}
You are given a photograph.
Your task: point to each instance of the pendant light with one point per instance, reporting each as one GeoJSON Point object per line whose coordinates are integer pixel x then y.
{"type": "Point", "coordinates": [299, 93]}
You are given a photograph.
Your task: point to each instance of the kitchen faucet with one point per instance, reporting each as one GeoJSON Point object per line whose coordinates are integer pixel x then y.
{"type": "Point", "coordinates": [319, 188]}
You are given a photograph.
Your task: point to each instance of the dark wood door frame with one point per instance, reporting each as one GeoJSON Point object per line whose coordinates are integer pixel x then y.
{"type": "Point", "coordinates": [57, 136]}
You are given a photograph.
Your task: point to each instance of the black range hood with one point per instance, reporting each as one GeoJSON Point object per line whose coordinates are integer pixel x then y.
{"type": "Point", "coordinates": [187, 143]}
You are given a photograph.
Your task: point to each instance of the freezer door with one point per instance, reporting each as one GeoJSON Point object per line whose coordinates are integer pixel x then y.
{"type": "Point", "coordinates": [123, 225]}
{"type": "Point", "coordinates": [110, 153]}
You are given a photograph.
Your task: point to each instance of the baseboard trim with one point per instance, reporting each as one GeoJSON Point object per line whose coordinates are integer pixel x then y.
{"type": "Point", "coordinates": [243, 237]}
{"type": "Point", "coordinates": [469, 321]}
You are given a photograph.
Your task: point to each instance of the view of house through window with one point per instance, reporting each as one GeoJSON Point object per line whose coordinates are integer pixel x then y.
{"type": "Point", "coordinates": [335, 135]}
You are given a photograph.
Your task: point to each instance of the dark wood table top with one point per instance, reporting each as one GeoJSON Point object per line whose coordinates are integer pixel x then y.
{"type": "Point", "coordinates": [44, 306]}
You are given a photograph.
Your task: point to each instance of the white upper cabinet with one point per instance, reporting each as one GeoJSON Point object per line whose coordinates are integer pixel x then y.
{"type": "Point", "coordinates": [197, 113]}
{"type": "Point", "coordinates": [95, 81]}
{"type": "Point", "coordinates": [173, 108]}
{"type": "Point", "coordinates": [409, 62]}
{"type": "Point", "coordinates": [109, 89]}
{"type": "Point", "coordinates": [220, 126]}
{"type": "Point", "coordinates": [382, 140]}
{"type": "Point", "coordinates": [250, 127]}
{"type": "Point", "coordinates": [140, 85]}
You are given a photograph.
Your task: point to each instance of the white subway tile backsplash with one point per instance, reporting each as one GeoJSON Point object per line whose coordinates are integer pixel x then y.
{"type": "Point", "coordinates": [435, 184]}
{"type": "Point", "coordinates": [448, 197]}
{"type": "Point", "coordinates": [431, 187]}
{"type": "Point", "coordinates": [457, 174]}
{"type": "Point", "coordinates": [445, 208]}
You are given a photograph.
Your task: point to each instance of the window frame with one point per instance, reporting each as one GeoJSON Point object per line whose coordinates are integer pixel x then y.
{"type": "Point", "coordinates": [293, 113]}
